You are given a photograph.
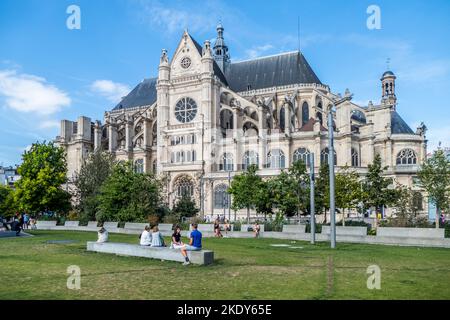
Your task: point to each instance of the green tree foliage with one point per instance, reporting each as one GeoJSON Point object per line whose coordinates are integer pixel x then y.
{"type": "Point", "coordinates": [376, 187]}
{"type": "Point", "coordinates": [407, 204]}
{"type": "Point", "coordinates": [244, 188]}
{"type": "Point", "coordinates": [348, 190]}
{"type": "Point", "coordinates": [128, 196]}
{"type": "Point", "coordinates": [264, 202]}
{"type": "Point", "coordinates": [322, 190]}
{"type": "Point", "coordinates": [434, 177]}
{"type": "Point", "coordinates": [291, 190]}
{"type": "Point", "coordinates": [94, 172]}
{"type": "Point", "coordinates": [7, 205]}
{"type": "Point", "coordinates": [43, 172]}
{"type": "Point", "coordinates": [185, 207]}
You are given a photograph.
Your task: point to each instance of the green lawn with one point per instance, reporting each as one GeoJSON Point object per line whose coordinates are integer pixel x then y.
{"type": "Point", "coordinates": [30, 268]}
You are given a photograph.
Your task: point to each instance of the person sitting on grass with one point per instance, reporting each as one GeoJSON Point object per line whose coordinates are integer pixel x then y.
{"type": "Point", "coordinates": [217, 232]}
{"type": "Point", "coordinates": [195, 243]}
{"type": "Point", "coordinates": [146, 237]}
{"type": "Point", "coordinates": [256, 229]}
{"type": "Point", "coordinates": [176, 239]}
{"type": "Point", "coordinates": [102, 235]}
{"type": "Point", "coordinates": [157, 238]}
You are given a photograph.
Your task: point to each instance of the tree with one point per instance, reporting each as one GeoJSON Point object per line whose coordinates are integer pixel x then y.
{"type": "Point", "coordinates": [264, 198]}
{"type": "Point", "coordinates": [7, 205]}
{"type": "Point", "coordinates": [185, 207]}
{"type": "Point", "coordinates": [128, 196]}
{"type": "Point", "coordinates": [407, 205]}
{"type": "Point", "coordinates": [88, 182]}
{"type": "Point", "coordinates": [434, 177]}
{"type": "Point", "coordinates": [43, 172]}
{"type": "Point", "coordinates": [348, 190]}
{"type": "Point", "coordinates": [376, 187]}
{"type": "Point", "coordinates": [244, 188]}
{"type": "Point", "coordinates": [322, 191]}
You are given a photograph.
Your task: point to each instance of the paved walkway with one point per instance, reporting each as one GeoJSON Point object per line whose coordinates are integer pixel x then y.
{"type": "Point", "coordinates": [9, 234]}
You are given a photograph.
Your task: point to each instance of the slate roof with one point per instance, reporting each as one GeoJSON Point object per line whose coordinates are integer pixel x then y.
{"type": "Point", "coordinates": [398, 125]}
{"type": "Point", "coordinates": [143, 94]}
{"type": "Point", "coordinates": [278, 70]}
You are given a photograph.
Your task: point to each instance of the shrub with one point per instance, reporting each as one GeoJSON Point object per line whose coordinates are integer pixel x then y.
{"type": "Point", "coordinates": [318, 228]}
{"type": "Point", "coordinates": [153, 220]}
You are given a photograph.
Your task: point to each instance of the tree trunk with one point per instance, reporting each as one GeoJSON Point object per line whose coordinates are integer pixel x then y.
{"type": "Point", "coordinates": [248, 215]}
{"type": "Point", "coordinates": [343, 217]}
{"type": "Point", "coordinates": [437, 217]}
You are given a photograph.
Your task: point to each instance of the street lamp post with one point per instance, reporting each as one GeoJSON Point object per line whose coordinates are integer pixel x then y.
{"type": "Point", "coordinates": [311, 199]}
{"type": "Point", "coordinates": [229, 196]}
{"type": "Point", "coordinates": [331, 165]}
{"type": "Point", "coordinates": [331, 170]}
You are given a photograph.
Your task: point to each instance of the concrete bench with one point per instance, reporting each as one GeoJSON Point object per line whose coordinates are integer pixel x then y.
{"type": "Point", "coordinates": [45, 225]}
{"type": "Point", "coordinates": [92, 225]}
{"type": "Point", "coordinates": [205, 227]}
{"type": "Point", "coordinates": [110, 225]}
{"type": "Point", "coordinates": [203, 257]}
{"type": "Point", "coordinates": [346, 231]}
{"type": "Point", "coordinates": [294, 228]}
{"type": "Point", "coordinates": [135, 226]}
{"type": "Point", "coordinates": [421, 233]}
{"type": "Point", "coordinates": [245, 227]}
{"type": "Point", "coordinates": [71, 224]}
{"type": "Point", "coordinates": [165, 228]}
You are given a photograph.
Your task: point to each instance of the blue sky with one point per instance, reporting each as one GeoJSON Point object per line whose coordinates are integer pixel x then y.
{"type": "Point", "coordinates": [49, 73]}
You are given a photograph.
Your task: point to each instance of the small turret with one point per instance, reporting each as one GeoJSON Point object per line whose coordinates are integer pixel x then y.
{"type": "Point", "coordinates": [388, 88]}
{"type": "Point", "coordinates": [221, 55]}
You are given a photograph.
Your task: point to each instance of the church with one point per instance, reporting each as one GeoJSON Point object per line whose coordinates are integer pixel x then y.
{"type": "Point", "coordinates": [205, 119]}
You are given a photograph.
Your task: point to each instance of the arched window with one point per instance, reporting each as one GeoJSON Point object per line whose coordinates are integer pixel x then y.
{"type": "Point", "coordinates": [226, 163]}
{"type": "Point", "coordinates": [221, 197]}
{"type": "Point", "coordinates": [139, 166]}
{"type": "Point", "coordinates": [319, 117]}
{"type": "Point", "coordinates": [154, 166]}
{"type": "Point", "coordinates": [184, 187]}
{"type": "Point", "coordinates": [406, 156]}
{"type": "Point", "coordinates": [355, 158]}
{"type": "Point", "coordinates": [302, 154]}
{"type": "Point", "coordinates": [324, 156]}
{"type": "Point", "coordinates": [250, 157]}
{"type": "Point", "coordinates": [305, 113]}
{"type": "Point", "coordinates": [282, 118]}
{"type": "Point", "coordinates": [417, 200]}
{"type": "Point", "coordinates": [276, 159]}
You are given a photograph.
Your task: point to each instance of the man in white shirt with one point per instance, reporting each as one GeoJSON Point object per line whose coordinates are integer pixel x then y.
{"type": "Point", "coordinates": [146, 237]}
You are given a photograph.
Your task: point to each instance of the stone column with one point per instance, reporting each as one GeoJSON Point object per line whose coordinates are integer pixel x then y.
{"type": "Point", "coordinates": [97, 135]}
{"type": "Point", "coordinates": [129, 133]}
{"type": "Point", "coordinates": [112, 132]}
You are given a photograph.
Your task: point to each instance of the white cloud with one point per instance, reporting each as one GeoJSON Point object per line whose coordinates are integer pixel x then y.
{"type": "Point", "coordinates": [173, 19]}
{"type": "Point", "coordinates": [258, 51]}
{"type": "Point", "coordinates": [110, 90]}
{"type": "Point", "coordinates": [49, 124]}
{"type": "Point", "coordinates": [29, 93]}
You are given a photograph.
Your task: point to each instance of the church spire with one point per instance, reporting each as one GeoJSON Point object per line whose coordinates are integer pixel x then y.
{"type": "Point", "coordinates": [221, 55]}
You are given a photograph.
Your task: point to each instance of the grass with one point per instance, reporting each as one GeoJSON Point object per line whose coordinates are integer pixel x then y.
{"type": "Point", "coordinates": [244, 269]}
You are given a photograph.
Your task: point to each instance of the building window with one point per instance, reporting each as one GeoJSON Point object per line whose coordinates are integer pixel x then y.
{"type": "Point", "coordinates": [355, 158]}
{"type": "Point", "coordinates": [185, 110]}
{"type": "Point", "coordinates": [276, 159]}
{"type": "Point", "coordinates": [221, 197]}
{"type": "Point", "coordinates": [305, 113]}
{"type": "Point", "coordinates": [184, 187]}
{"type": "Point", "coordinates": [282, 119]}
{"type": "Point", "coordinates": [154, 166]}
{"type": "Point", "coordinates": [139, 166]}
{"type": "Point", "coordinates": [406, 156]}
{"type": "Point", "coordinates": [185, 63]}
{"type": "Point", "coordinates": [324, 156]}
{"type": "Point", "coordinates": [250, 158]}
{"type": "Point", "coordinates": [302, 154]}
{"type": "Point", "coordinates": [226, 163]}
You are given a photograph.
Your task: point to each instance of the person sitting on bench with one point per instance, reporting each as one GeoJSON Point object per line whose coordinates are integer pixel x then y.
{"type": "Point", "coordinates": [157, 238]}
{"type": "Point", "coordinates": [195, 243]}
{"type": "Point", "coordinates": [176, 239]}
{"type": "Point", "coordinates": [102, 235]}
{"type": "Point", "coordinates": [146, 237]}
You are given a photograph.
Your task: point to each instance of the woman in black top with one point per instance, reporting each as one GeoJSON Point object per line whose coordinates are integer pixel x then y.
{"type": "Point", "coordinates": [176, 238]}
